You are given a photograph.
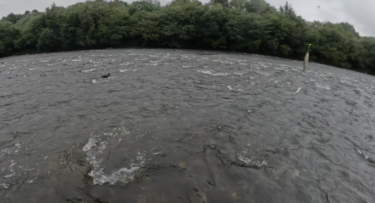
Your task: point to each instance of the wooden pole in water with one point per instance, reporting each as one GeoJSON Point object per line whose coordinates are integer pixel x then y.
{"type": "Point", "coordinates": [306, 61]}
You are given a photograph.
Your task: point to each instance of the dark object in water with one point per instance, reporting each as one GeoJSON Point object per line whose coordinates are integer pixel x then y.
{"type": "Point", "coordinates": [106, 76]}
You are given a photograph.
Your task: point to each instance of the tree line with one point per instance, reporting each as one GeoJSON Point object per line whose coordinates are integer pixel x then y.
{"type": "Point", "coordinates": [242, 25]}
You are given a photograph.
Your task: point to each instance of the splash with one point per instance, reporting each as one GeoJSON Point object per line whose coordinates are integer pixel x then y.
{"type": "Point", "coordinates": [250, 162]}
{"type": "Point", "coordinates": [95, 149]}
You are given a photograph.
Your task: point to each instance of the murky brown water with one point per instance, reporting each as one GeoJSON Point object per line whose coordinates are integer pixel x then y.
{"type": "Point", "coordinates": [179, 126]}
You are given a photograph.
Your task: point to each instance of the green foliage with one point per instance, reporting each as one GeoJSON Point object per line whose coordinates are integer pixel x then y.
{"type": "Point", "coordinates": [8, 33]}
{"type": "Point", "coordinates": [148, 6]}
{"type": "Point", "coordinates": [2, 48]}
{"type": "Point", "coordinates": [222, 2]}
{"type": "Point", "coordinates": [179, 24]}
{"type": "Point", "coordinates": [287, 10]}
{"type": "Point", "coordinates": [238, 4]}
{"type": "Point", "coordinates": [259, 6]}
{"type": "Point", "coordinates": [13, 18]}
{"type": "Point", "coordinates": [243, 25]}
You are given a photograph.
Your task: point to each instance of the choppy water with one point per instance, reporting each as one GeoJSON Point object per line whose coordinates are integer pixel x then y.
{"type": "Point", "coordinates": [178, 126]}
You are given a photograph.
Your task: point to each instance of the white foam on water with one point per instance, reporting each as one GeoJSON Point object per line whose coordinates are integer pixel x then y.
{"type": "Point", "coordinates": [126, 64]}
{"type": "Point", "coordinates": [140, 59]}
{"type": "Point", "coordinates": [4, 185]}
{"type": "Point", "coordinates": [11, 166]}
{"type": "Point", "coordinates": [361, 90]}
{"type": "Point", "coordinates": [234, 89]}
{"type": "Point", "coordinates": [326, 87]}
{"type": "Point", "coordinates": [250, 161]}
{"type": "Point", "coordinates": [353, 79]}
{"type": "Point", "coordinates": [11, 169]}
{"type": "Point", "coordinates": [227, 62]}
{"type": "Point", "coordinates": [296, 69]}
{"type": "Point", "coordinates": [239, 73]}
{"type": "Point", "coordinates": [95, 148]}
{"type": "Point", "coordinates": [363, 153]}
{"type": "Point", "coordinates": [282, 67]}
{"type": "Point", "coordinates": [299, 89]}
{"type": "Point", "coordinates": [89, 70]}
{"type": "Point", "coordinates": [122, 175]}
{"type": "Point", "coordinates": [262, 64]}
{"type": "Point", "coordinates": [10, 175]}
{"type": "Point", "coordinates": [89, 144]}
{"type": "Point", "coordinates": [238, 60]}
{"type": "Point", "coordinates": [5, 152]}
{"type": "Point", "coordinates": [156, 153]}
{"type": "Point", "coordinates": [152, 64]}
{"type": "Point", "coordinates": [262, 73]}
{"type": "Point", "coordinates": [36, 68]}
{"type": "Point", "coordinates": [274, 80]}
{"type": "Point", "coordinates": [325, 74]}
{"type": "Point", "coordinates": [208, 72]}
{"type": "Point", "coordinates": [30, 181]}
{"type": "Point", "coordinates": [127, 70]}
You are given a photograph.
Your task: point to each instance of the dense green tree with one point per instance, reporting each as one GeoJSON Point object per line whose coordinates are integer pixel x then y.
{"type": "Point", "coordinates": [368, 53]}
{"type": "Point", "coordinates": [243, 25]}
{"type": "Point", "coordinates": [238, 4]}
{"type": "Point", "coordinates": [30, 31]}
{"type": "Point", "coordinates": [179, 23]}
{"type": "Point", "coordinates": [13, 18]}
{"type": "Point", "coordinates": [222, 2]}
{"type": "Point", "coordinates": [288, 10]}
{"type": "Point", "coordinates": [8, 33]}
{"type": "Point", "coordinates": [259, 6]}
{"type": "Point", "coordinates": [148, 6]}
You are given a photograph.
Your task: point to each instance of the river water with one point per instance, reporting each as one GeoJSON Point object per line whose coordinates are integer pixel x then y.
{"type": "Point", "coordinates": [183, 126]}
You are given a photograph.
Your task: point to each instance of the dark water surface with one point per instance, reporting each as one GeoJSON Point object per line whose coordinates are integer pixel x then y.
{"type": "Point", "coordinates": [181, 126]}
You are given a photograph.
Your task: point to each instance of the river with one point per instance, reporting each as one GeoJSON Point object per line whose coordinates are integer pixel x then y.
{"type": "Point", "coordinates": [183, 126]}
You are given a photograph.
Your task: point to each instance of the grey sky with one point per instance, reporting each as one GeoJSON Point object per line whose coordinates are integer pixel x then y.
{"type": "Point", "coordinates": [357, 12]}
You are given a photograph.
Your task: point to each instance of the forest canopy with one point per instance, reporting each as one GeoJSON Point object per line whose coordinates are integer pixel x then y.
{"type": "Point", "coordinates": [252, 26]}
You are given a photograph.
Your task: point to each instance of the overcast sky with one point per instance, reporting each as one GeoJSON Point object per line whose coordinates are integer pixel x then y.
{"type": "Point", "coordinates": [359, 13]}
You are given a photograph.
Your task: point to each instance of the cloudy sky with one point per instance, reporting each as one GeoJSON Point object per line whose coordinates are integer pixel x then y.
{"type": "Point", "coordinates": [359, 13]}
